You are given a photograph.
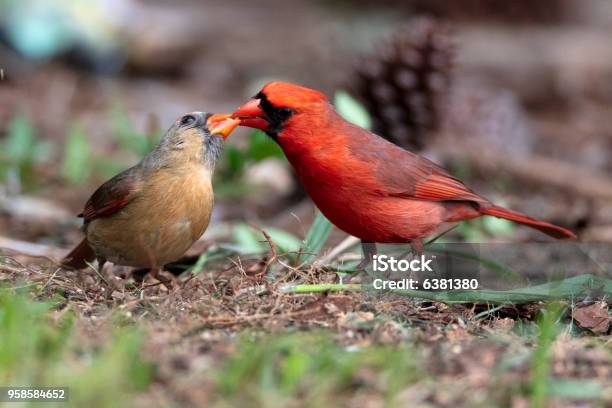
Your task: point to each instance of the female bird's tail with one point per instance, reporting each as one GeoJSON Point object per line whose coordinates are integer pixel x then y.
{"type": "Point", "coordinates": [79, 256]}
{"type": "Point", "coordinates": [549, 229]}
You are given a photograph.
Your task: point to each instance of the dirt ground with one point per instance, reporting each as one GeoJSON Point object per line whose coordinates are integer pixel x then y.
{"type": "Point", "coordinates": [459, 354]}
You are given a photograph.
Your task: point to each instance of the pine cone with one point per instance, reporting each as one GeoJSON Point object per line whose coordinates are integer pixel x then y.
{"type": "Point", "coordinates": [403, 84]}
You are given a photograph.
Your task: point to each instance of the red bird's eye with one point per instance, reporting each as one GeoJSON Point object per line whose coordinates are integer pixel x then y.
{"type": "Point", "coordinates": [285, 112]}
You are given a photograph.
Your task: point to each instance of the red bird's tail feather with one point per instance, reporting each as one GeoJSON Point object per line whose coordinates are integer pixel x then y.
{"type": "Point", "coordinates": [79, 256]}
{"type": "Point", "coordinates": [549, 229]}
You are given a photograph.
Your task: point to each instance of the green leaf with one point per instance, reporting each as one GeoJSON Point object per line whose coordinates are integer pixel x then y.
{"type": "Point", "coordinates": [126, 135]}
{"type": "Point", "coordinates": [20, 140]}
{"type": "Point", "coordinates": [105, 167]}
{"type": "Point", "coordinates": [77, 166]}
{"type": "Point", "coordinates": [247, 239]}
{"type": "Point", "coordinates": [575, 389]}
{"type": "Point", "coordinates": [42, 151]}
{"type": "Point", "coordinates": [492, 265]}
{"type": "Point", "coordinates": [316, 237]}
{"type": "Point", "coordinates": [22, 150]}
{"type": "Point", "coordinates": [471, 230]}
{"type": "Point", "coordinates": [208, 256]}
{"type": "Point", "coordinates": [569, 288]}
{"type": "Point", "coordinates": [285, 241]}
{"type": "Point", "coordinates": [352, 110]}
{"type": "Point", "coordinates": [234, 160]}
{"type": "Point", "coordinates": [251, 240]}
{"type": "Point", "coordinates": [498, 226]}
{"type": "Point", "coordinates": [261, 147]}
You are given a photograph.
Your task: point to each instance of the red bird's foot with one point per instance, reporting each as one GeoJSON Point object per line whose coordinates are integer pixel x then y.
{"type": "Point", "coordinates": [363, 265]}
{"type": "Point", "coordinates": [369, 250]}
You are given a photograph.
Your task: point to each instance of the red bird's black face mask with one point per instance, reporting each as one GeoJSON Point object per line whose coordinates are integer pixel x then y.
{"type": "Point", "coordinates": [261, 114]}
{"type": "Point", "coordinates": [276, 117]}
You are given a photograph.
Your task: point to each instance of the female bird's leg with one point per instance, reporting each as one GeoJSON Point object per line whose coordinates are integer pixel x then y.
{"type": "Point", "coordinates": [369, 250]}
{"type": "Point", "coordinates": [101, 262]}
{"type": "Point", "coordinates": [157, 274]}
{"type": "Point", "coordinates": [108, 275]}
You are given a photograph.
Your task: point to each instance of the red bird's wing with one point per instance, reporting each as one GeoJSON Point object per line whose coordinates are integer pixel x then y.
{"type": "Point", "coordinates": [112, 196]}
{"type": "Point", "coordinates": [401, 173]}
{"type": "Point", "coordinates": [444, 187]}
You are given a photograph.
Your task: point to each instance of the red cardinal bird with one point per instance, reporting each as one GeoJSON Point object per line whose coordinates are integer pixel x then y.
{"type": "Point", "coordinates": [365, 185]}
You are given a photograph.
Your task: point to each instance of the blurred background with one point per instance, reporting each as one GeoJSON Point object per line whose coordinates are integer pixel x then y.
{"type": "Point", "coordinates": [514, 97]}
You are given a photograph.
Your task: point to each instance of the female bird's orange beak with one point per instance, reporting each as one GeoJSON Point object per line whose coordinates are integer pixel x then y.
{"type": "Point", "coordinates": [222, 124]}
{"type": "Point", "coordinates": [251, 115]}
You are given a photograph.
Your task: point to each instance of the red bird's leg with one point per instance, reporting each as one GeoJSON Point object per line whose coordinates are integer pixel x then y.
{"type": "Point", "coordinates": [417, 246]}
{"type": "Point", "coordinates": [369, 250]}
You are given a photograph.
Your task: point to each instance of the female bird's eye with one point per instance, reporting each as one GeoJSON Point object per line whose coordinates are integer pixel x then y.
{"type": "Point", "coordinates": [188, 120]}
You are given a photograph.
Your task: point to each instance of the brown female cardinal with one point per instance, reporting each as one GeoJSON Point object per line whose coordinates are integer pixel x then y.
{"type": "Point", "coordinates": [152, 213]}
{"type": "Point", "coordinates": [366, 186]}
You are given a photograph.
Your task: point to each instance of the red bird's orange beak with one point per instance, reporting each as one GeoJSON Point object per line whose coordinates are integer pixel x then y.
{"type": "Point", "coordinates": [251, 115]}
{"type": "Point", "coordinates": [222, 124]}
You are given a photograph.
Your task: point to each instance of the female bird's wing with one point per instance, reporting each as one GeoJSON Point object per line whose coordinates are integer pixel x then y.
{"type": "Point", "coordinates": [113, 195]}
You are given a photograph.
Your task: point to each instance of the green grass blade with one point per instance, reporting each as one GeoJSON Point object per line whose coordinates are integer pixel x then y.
{"type": "Point", "coordinates": [316, 237]}
{"type": "Point", "coordinates": [252, 241]}
{"type": "Point", "coordinates": [576, 389]}
{"type": "Point", "coordinates": [247, 239]}
{"type": "Point", "coordinates": [541, 362]}
{"type": "Point", "coordinates": [284, 241]}
{"type": "Point", "coordinates": [570, 288]}
{"type": "Point", "coordinates": [496, 267]}
{"type": "Point", "coordinates": [20, 139]}
{"type": "Point", "coordinates": [76, 166]}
